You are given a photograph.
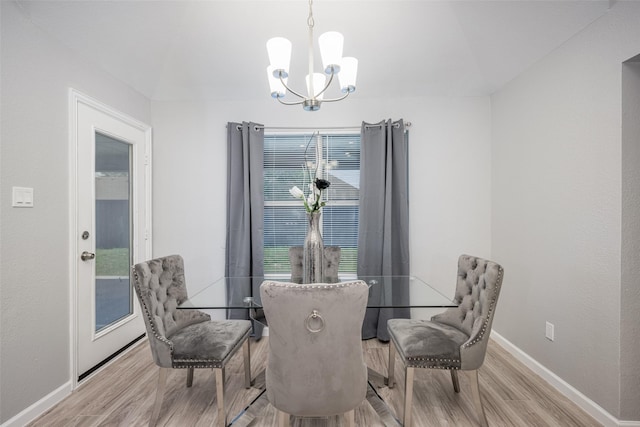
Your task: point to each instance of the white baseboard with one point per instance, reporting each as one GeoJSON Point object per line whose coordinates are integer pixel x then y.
{"type": "Point", "coordinates": [586, 404]}
{"type": "Point", "coordinates": [40, 407]}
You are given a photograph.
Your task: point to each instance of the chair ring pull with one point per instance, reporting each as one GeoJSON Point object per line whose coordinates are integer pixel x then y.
{"type": "Point", "coordinates": [314, 317]}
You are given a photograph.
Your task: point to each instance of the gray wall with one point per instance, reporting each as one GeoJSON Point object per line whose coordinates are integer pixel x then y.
{"type": "Point", "coordinates": [630, 291]}
{"type": "Point", "coordinates": [557, 209]}
{"type": "Point", "coordinates": [37, 73]}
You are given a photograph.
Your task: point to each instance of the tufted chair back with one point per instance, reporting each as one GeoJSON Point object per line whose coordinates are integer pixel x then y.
{"type": "Point", "coordinates": [329, 268]}
{"type": "Point", "coordinates": [160, 286]}
{"type": "Point", "coordinates": [477, 290]}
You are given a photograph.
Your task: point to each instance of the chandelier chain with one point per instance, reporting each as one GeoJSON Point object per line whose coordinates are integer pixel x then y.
{"type": "Point", "coordinates": [310, 21]}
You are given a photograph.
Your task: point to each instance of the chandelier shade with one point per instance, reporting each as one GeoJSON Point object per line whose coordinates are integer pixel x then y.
{"type": "Point", "coordinates": [348, 74]}
{"type": "Point", "coordinates": [278, 90]}
{"type": "Point", "coordinates": [331, 44]}
{"type": "Point", "coordinates": [279, 50]}
{"type": "Point", "coordinates": [331, 47]}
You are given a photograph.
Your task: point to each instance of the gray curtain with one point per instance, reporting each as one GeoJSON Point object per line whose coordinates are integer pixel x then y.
{"type": "Point", "coordinates": [245, 213]}
{"type": "Point", "coordinates": [383, 235]}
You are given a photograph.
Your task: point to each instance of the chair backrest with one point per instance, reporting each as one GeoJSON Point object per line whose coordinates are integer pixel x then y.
{"type": "Point", "coordinates": [315, 365]}
{"type": "Point", "coordinates": [477, 289]}
{"type": "Point", "coordinates": [160, 286]}
{"type": "Point", "coordinates": [329, 269]}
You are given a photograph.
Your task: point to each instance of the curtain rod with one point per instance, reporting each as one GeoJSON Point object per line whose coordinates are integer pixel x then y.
{"type": "Point", "coordinates": [311, 128]}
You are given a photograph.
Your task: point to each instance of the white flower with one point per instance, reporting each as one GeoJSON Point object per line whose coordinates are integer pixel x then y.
{"type": "Point", "coordinates": [313, 202]}
{"type": "Point", "coordinates": [296, 192]}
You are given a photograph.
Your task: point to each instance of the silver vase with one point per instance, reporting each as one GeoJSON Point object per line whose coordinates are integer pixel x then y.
{"type": "Point", "coordinates": [313, 253]}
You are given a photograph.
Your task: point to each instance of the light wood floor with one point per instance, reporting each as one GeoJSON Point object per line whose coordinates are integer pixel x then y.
{"type": "Point", "coordinates": [122, 395]}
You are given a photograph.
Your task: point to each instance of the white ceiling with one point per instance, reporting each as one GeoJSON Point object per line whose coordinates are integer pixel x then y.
{"type": "Point", "coordinates": [186, 50]}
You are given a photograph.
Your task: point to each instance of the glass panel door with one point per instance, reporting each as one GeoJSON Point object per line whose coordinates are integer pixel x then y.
{"type": "Point", "coordinates": [112, 177]}
{"type": "Point", "coordinates": [113, 219]}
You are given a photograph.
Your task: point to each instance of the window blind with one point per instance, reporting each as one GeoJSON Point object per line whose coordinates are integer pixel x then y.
{"type": "Point", "coordinates": [337, 159]}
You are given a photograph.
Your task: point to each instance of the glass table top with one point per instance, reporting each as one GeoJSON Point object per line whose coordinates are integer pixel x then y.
{"type": "Point", "coordinates": [384, 292]}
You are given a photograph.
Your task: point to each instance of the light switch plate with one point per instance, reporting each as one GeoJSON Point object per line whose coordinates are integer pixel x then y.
{"type": "Point", "coordinates": [22, 197]}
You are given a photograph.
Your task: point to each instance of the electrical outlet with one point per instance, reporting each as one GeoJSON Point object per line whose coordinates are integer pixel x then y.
{"type": "Point", "coordinates": [549, 331]}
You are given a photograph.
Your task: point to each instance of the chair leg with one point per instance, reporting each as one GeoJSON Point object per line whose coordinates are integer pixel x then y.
{"type": "Point", "coordinates": [246, 353]}
{"type": "Point", "coordinates": [350, 418]}
{"type": "Point", "coordinates": [475, 392]}
{"type": "Point", "coordinates": [392, 363]}
{"type": "Point", "coordinates": [189, 377]}
{"type": "Point", "coordinates": [222, 416]}
{"type": "Point", "coordinates": [282, 418]}
{"type": "Point", "coordinates": [454, 380]}
{"type": "Point", "coordinates": [408, 396]}
{"type": "Point", "coordinates": [162, 383]}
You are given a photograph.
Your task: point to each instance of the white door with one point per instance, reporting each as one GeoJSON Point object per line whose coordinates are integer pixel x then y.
{"type": "Point", "coordinates": [112, 221]}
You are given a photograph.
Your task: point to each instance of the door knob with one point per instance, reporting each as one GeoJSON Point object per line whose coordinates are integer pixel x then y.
{"type": "Point", "coordinates": [87, 256]}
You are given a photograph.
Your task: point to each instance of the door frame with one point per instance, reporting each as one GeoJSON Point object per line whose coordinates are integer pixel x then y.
{"type": "Point", "coordinates": [76, 97]}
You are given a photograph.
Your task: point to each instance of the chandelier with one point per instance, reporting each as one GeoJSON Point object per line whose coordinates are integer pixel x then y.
{"type": "Point", "coordinates": [279, 49]}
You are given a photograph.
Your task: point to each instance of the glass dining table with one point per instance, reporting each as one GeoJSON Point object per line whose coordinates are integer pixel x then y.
{"type": "Point", "coordinates": [243, 293]}
{"type": "Point", "coordinates": [402, 296]}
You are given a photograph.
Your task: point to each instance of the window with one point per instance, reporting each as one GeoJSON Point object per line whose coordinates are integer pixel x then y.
{"type": "Point", "coordinates": [338, 157]}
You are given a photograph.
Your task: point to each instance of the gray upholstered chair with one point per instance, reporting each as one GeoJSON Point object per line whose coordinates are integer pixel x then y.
{"type": "Point", "coordinates": [185, 338]}
{"type": "Point", "coordinates": [455, 339]}
{"type": "Point", "coordinates": [315, 366]}
{"type": "Point", "coordinates": [329, 269]}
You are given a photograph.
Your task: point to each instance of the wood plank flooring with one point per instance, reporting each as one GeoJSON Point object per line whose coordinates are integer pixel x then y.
{"type": "Point", "coordinates": [122, 394]}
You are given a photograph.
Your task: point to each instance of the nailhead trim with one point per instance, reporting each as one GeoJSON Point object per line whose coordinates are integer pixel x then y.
{"type": "Point", "coordinates": [315, 285]}
{"type": "Point", "coordinates": [424, 365]}
{"type": "Point", "coordinates": [434, 359]}
{"type": "Point", "coordinates": [196, 363]}
{"type": "Point", "coordinates": [422, 362]}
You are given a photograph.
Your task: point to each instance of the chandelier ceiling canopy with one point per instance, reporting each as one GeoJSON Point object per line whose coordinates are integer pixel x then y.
{"type": "Point", "coordinates": [279, 49]}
